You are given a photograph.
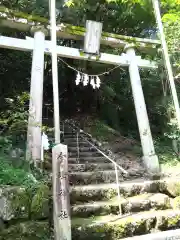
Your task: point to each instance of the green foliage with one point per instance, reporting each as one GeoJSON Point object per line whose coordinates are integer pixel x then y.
{"type": "Point", "coordinates": [13, 120]}
{"type": "Point", "coordinates": [174, 132]}
{"type": "Point", "coordinates": [171, 5]}
{"type": "Point", "coordinates": [5, 144]}
{"type": "Point", "coordinates": [100, 130]}
{"type": "Point", "coordinates": [40, 202]}
{"type": "Point", "coordinates": [172, 26]}
{"type": "Point", "coordinates": [10, 175]}
{"type": "Point", "coordinates": [29, 230]}
{"type": "Point", "coordinates": [167, 157]}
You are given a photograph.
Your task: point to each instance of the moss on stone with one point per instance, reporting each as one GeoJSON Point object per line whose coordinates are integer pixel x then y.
{"type": "Point", "coordinates": [102, 194]}
{"type": "Point", "coordinates": [113, 230]}
{"type": "Point", "coordinates": [82, 54]}
{"type": "Point", "coordinates": [86, 195]}
{"type": "Point", "coordinates": [173, 188]}
{"type": "Point", "coordinates": [168, 222]}
{"type": "Point", "coordinates": [20, 203]}
{"type": "Point", "coordinates": [176, 203]}
{"type": "Point", "coordinates": [97, 210]}
{"type": "Point", "coordinates": [18, 14]}
{"type": "Point", "coordinates": [133, 225]}
{"type": "Point", "coordinates": [27, 231]}
{"type": "Point", "coordinates": [161, 223]}
{"type": "Point", "coordinates": [75, 30]}
{"type": "Point", "coordinates": [173, 222]}
{"type": "Point", "coordinates": [135, 204]}
{"type": "Point", "coordinates": [14, 203]}
{"type": "Point", "coordinates": [118, 232]}
{"type": "Point", "coordinates": [89, 233]}
{"type": "Point", "coordinates": [40, 203]}
{"type": "Point", "coordinates": [160, 201]}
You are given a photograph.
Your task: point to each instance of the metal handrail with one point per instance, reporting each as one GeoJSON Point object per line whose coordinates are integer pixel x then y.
{"type": "Point", "coordinates": [116, 166]}
{"type": "Point", "coordinates": [81, 131]}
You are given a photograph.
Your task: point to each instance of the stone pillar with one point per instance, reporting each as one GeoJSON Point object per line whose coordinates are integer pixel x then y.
{"type": "Point", "coordinates": [149, 157]}
{"type": "Point", "coordinates": [36, 96]}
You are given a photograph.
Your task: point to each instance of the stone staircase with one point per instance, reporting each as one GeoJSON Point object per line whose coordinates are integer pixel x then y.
{"type": "Point", "coordinates": [91, 167]}
{"type": "Point", "coordinates": [146, 205]}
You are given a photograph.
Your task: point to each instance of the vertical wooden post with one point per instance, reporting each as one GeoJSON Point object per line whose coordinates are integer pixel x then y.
{"type": "Point", "coordinates": [150, 159]}
{"type": "Point", "coordinates": [36, 97]}
{"type": "Point", "coordinates": [61, 200]}
{"type": "Point", "coordinates": [55, 70]}
{"type": "Point", "coordinates": [92, 37]}
{"type": "Point", "coordinates": [167, 59]}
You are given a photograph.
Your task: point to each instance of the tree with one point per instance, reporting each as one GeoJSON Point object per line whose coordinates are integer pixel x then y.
{"type": "Point", "coordinates": [113, 102]}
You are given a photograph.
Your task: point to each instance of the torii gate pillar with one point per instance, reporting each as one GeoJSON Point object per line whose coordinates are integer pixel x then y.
{"type": "Point", "coordinates": [149, 157]}
{"type": "Point", "coordinates": [36, 96]}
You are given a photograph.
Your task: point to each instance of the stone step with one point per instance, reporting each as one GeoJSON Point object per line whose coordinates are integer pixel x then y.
{"type": "Point", "coordinates": [28, 229]}
{"type": "Point", "coordinates": [90, 167]}
{"type": "Point", "coordinates": [118, 227]}
{"type": "Point", "coordinates": [71, 139]}
{"type": "Point", "coordinates": [83, 160]}
{"type": "Point", "coordinates": [68, 135]}
{"type": "Point", "coordinates": [73, 166]}
{"type": "Point", "coordinates": [105, 176]}
{"type": "Point", "coordinates": [85, 154]}
{"type": "Point", "coordinates": [104, 192]}
{"type": "Point", "coordinates": [139, 203]}
{"type": "Point", "coordinates": [74, 144]}
{"type": "Point", "coordinates": [71, 134]}
{"type": "Point", "coordinates": [66, 129]}
{"type": "Point", "coordinates": [165, 235]}
{"type": "Point", "coordinates": [81, 149]}
{"type": "Point", "coordinates": [85, 178]}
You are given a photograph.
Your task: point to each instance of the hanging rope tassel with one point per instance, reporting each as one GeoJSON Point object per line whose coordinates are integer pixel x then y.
{"type": "Point", "coordinates": [93, 82]}
{"type": "Point", "coordinates": [78, 78]}
{"type": "Point", "coordinates": [86, 80]}
{"type": "Point", "coordinates": [98, 82]}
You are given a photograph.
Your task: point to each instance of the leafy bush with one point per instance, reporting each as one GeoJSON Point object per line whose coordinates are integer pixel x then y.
{"type": "Point", "coordinates": [10, 175]}
{"type": "Point", "coordinates": [5, 144]}
{"type": "Point", "coordinates": [13, 121]}
{"type": "Point", "coordinates": [100, 130]}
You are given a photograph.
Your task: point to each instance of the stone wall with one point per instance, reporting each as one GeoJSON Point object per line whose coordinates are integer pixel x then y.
{"type": "Point", "coordinates": [26, 213]}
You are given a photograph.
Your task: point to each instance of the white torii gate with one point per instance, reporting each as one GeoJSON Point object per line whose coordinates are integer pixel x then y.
{"type": "Point", "coordinates": [38, 45]}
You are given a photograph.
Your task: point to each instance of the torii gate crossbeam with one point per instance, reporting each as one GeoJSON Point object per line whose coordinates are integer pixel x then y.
{"type": "Point", "coordinates": [74, 53]}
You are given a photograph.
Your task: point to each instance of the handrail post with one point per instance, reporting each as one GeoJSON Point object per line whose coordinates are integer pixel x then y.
{"type": "Point", "coordinates": [118, 190]}
{"type": "Point", "coordinates": [63, 130]}
{"type": "Point", "coordinates": [116, 166]}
